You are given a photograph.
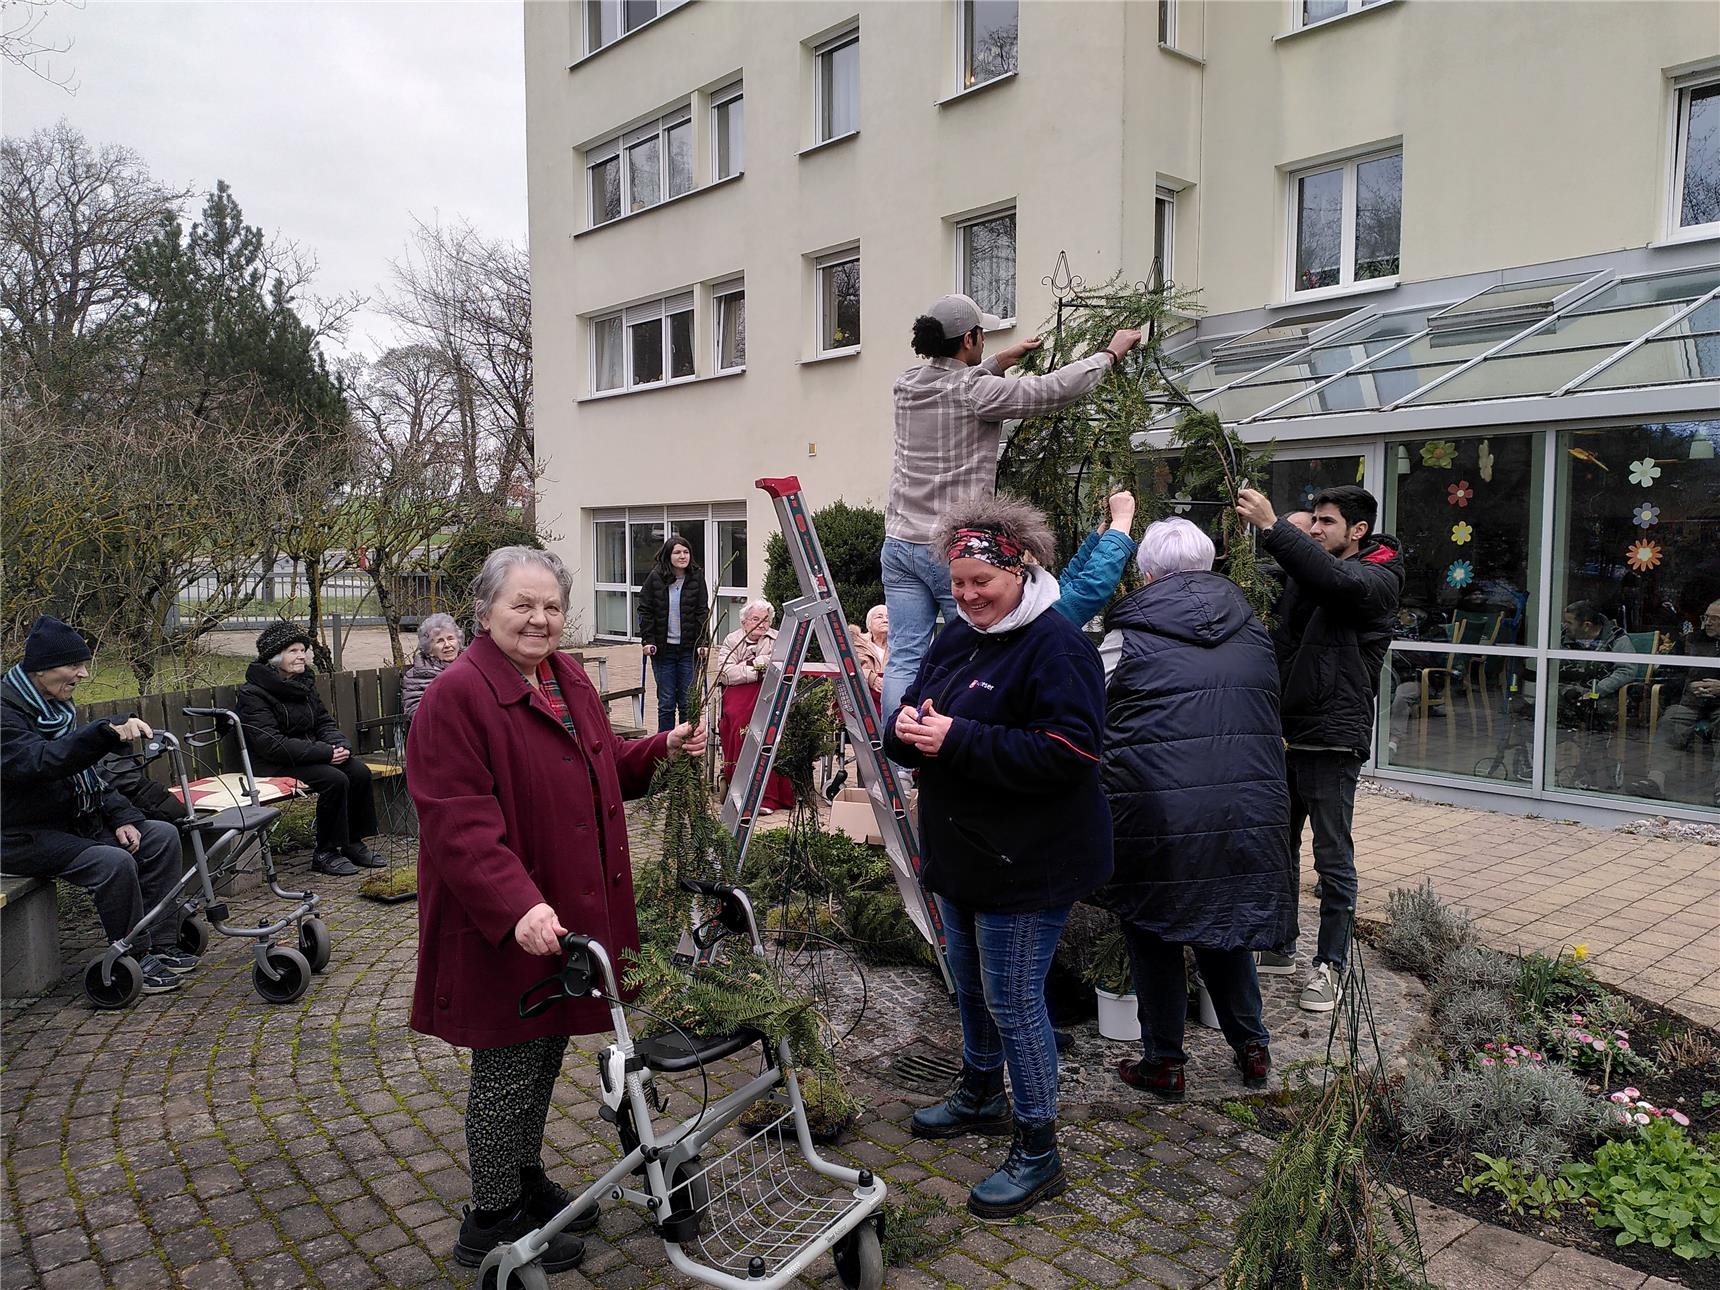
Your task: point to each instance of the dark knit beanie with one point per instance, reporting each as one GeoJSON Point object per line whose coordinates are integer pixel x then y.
{"type": "Point", "coordinates": [278, 636]}
{"type": "Point", "coordinates": [52, 644]}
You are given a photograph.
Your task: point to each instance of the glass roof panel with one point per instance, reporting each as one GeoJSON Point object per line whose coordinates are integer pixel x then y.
{"type": "Point", "coordinates": [1674, 360]}
{"type": "Point", "coordinates": [1364, 390]}
{"type": "Point", "coordinates": [1514, 375]}
{"type": "Point", "coordinates": [1516, 295]}
{"type": "Point", "coordinates": [1285, 336]}
{"type": "Point", "coordinates": [1373, 337]}
{"type": "Point", "coordinates": [1639, 291]}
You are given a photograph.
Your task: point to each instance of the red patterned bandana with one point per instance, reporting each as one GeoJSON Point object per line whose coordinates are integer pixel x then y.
{"type": "Point", "coordinates": [988, 545]}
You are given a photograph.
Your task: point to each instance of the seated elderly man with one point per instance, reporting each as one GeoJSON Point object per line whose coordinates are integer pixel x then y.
{"type": "Point", "coordinates": [64, 820]}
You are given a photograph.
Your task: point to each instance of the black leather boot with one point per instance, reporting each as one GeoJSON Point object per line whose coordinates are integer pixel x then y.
{"type": "Point", "coordinates": [979, 1105]}
{"type": "Point", "coordinates": [1032, 1172]}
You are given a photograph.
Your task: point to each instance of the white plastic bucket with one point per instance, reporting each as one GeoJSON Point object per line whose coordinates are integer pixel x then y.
{"type": "Point", "coordinates": [1208, 1014]}
{"type": "Point", "coordinates": [1118, 1018]}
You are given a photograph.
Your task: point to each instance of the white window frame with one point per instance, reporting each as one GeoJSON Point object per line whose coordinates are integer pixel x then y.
{"type": "Point", "coordinates": [728, 96]}
{"type": "Point", "coordinates": [617, 146]}
{"type": "Point", "coordinates": [619, 8]}
{"type": "Point", "coordinates": [963, 228]}
{"type": "Point", "coordinates": [1347, 280]}
{"type": "Point", "coordinates": [1168, 23]}
{"type": "Point", "coordinates": [964, 69]}
{"type": "Point", "coordinates": [823, 51]}
{"type": "Point", "coordinates": [673, 517]}
{"type": "Point", "coordinates": [1299, 20]}
{"type": "Point", "coordinates": [721, 295]}
{"type": "Point", "coordinates": [1683, 90]}
{"type": "Point", "coordinates": [820, 266]}
{"type": "Point", "coordinates": [661, 309]}
{"type": "Point", "coordinates": [1165, 216]}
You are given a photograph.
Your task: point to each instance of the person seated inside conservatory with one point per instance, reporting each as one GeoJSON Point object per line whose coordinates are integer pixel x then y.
{"type": "Point", "coordinates": [1691, 714]}
{"type": "Point", "coordinates": [1588, 697]}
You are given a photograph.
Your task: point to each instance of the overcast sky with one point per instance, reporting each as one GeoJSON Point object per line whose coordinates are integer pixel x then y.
{"type": "Point", "coordinates": [335, 123]}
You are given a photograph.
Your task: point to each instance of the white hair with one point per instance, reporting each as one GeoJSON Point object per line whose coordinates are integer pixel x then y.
{"type": "Point", "coordinates": [503, 561]}
{"type": "Point", "coordinates": [769, 609]}
{"type": "Point", "coordinates": [1174, 546]}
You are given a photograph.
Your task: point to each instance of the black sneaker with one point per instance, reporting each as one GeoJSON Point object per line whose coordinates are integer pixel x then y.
{"type": "Point", "coordinates": [544, 1198]}
{"type": "Point", "coordinates": [156, 978]}
{"type": "Point", "coordinates": [175, 960]}
{"type": "Point", "coordinates": [333, 863]}
{"type": "Point", "coordinates": [478, 1239]}
{"type": "Point", "coordinates": [363, 856]}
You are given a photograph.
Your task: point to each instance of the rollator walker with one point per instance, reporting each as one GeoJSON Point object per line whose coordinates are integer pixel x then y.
{"type": "Point", "coordinates": [749, 1212]}
{"type": "Point", "coordinates": [220, 847]}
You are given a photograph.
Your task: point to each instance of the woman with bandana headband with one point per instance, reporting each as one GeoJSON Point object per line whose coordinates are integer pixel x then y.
{"type": "Point", "coordinates": [1003, 723]}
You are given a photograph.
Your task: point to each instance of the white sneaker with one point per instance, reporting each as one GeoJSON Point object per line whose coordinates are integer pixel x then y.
{"type": "Point", "coordinates": [1323, 990]}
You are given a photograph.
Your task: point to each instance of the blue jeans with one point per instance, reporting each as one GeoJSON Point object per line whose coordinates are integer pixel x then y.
{"type": "Point", "coordinates": [1323, 790]}
{"type": "Point", "coordinates": [916, 586]}
{"type": "Point", "coordinates": [1161, 993]}
{"type": "Point", "coordinates": [999, 963]}
{"type": "Point", "coordinates": [673, 666]}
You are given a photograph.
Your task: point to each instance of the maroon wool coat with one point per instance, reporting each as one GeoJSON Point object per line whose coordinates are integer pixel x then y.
{"type": "Point", "coordinates": [508, 817]}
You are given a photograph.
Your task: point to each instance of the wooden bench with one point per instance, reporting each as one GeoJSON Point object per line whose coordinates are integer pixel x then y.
{"type": "Point", "coordinates": [633, 726]}
{"type": "Point", "coordinates": [29, 936]}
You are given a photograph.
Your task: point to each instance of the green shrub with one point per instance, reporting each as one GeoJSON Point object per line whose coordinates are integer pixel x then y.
{"type": "Point", "coordinates": [1522, 1191]}
{"type": "Point", "coordinates": [853, 541]}
{"type": "Point", "coordinates": [1423, 931]}
{"type": "Point", "coordinates": [464, 556]}
{"type": "Point", "coordinates": [1532, 1113]}
{"type": "Point", "coordinates": [1658, 1187]}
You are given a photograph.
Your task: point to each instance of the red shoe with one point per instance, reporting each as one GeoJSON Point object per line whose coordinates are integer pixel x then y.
{"type": "Point", "coordinates": [1255, 1063]}
{"type": "Point", "coordinates": [1164, 1080]}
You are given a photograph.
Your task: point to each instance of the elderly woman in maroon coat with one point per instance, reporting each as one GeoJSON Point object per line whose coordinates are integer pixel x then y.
{"type": "Point", "coordinates": [519, 783]}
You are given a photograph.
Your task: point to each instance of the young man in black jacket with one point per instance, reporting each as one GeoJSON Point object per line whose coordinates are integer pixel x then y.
{"type": "Point", "coordinates": [1334, 623]}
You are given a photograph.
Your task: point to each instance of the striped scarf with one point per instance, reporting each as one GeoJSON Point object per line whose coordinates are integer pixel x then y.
{"type": "Point", "coordinates": [53, 719]}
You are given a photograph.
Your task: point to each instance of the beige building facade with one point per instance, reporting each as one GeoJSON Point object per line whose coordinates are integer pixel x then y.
{"type": "Point", "coordinates": [737, 210]}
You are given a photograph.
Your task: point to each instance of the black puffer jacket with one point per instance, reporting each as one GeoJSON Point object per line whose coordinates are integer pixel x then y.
{"type": "Point", "coordinates": [285, 722]}
{"type": "Point", "coordinates": [654, 609]}
{"type": "Point", "coordinates": [1335, 622]}
{"type": "Point", "coordinates": [1194, 768]}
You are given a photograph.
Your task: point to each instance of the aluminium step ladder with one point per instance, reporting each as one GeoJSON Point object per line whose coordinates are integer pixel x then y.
{"type": "Point", "coordinates": [818, 614]}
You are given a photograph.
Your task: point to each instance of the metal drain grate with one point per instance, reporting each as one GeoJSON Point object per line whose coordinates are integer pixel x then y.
{"type": "Point", "coordinates": [924, 1069]}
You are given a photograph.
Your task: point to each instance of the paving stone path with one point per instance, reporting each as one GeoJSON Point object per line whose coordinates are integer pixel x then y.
{"type": "Point", "coordinates": [208, 1140]}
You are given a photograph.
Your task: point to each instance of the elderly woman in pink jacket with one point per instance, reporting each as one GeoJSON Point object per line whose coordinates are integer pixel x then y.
{"type": "Point", "coordinates": [741, 660]}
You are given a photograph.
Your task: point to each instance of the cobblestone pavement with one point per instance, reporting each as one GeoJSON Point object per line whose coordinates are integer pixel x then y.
{"type": "Point", "coordinates": [208, 1140]}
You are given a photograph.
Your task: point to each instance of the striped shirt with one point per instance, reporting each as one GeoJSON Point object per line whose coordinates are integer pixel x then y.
{"type": "Point", "coordinates": [948, 424]}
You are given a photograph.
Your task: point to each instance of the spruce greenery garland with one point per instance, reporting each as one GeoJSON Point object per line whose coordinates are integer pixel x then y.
{"type": "Point", "coordinates": [1067, 463]}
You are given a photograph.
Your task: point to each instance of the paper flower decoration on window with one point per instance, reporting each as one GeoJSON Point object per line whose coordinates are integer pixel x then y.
{"type": "Point", "coordinates": [1308, 497]}
{"type": "Point", "coordinates": [1439, 452]}
{"type": "Point", "coordinates": [1643, 555]}
{"type": "Point", "coordinates": [1644, 472]}
{"type": "Point", "coordinates": [1461, 533]}
{"type": "Point", "coordinates": [1460, 574]}
{"type": "Point", "coordinates": [1485, 456]}
{"type": "Point", "coordinates": [1361, 468]}
{"type": "Point", "coordinates": [1458, 494]}
{"type": "Point", "coordinates": [1181, 504]}
{"type": "Point", "coordinates": [1645, 516]}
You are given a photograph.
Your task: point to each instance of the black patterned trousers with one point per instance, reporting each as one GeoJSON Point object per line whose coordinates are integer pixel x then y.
{"type": "Point", "coordinates": [507, 1104]}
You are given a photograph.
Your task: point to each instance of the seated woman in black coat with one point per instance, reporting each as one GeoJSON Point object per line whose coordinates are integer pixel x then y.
{"type": "Point", "coordinates": [1194, 768]}
{"type": "Point", "coordinates": [289, 732]}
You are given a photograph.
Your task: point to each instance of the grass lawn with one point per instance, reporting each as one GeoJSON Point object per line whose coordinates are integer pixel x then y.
{"type": "Point", "coordinates": [112, 679]}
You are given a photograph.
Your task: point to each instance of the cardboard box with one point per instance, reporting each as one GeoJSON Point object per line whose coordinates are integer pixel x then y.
{"type": "Point", "coordinates": [851, 814]}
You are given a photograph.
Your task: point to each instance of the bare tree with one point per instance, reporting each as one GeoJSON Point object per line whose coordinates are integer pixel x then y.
{"type": "Point", "coordinates": [469, 298]}
{"type": "Point", "coordinates": [24, 44]}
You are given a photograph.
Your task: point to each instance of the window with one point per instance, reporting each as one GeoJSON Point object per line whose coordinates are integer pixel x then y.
{"type": "Point", "coordinates": [637, 170]}
{"type": "Point", "coordinates": [625, 542]}
{"type": "Point", "coordinates": [1696, 197]}
{"type": "Point", "coordinates": [990, 37]}
{"type": "Point", "coordinates": [728, 120]}
{"type": "Point", "coordinates": [645, 344]}
{"type": "Point", "coordinates": [839, 302]}
{"type": "Point", "coordinates": [1164, 236]}
{"type": "Point", "coordinates": [730, 300]}
{"type": "Point", "coordinates": [606, 21]}
{"type": "Point", "coordinates": [1168, 24]}
{"type": "Point", "coordinates": [1310, 12]}
{"type": "Point", "coordinates": [1346, 222]}
{"type": "Point", "coordinates": [838, 88]}
{"type": "Point", "coordinates": [987, 258]}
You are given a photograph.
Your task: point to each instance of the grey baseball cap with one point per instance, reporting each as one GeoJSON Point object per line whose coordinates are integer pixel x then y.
{"type": "Point", "coordinates": [959, 315]}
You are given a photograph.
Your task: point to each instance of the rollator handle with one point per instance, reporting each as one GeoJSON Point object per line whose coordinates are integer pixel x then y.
{"type": "Point", "coordinates": [573, 981]}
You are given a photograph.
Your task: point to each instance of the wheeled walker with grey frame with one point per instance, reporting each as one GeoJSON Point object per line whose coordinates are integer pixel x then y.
{"type": "Point", "coordinates": [752, 1209]}
{"type": "Point", "coordinates": [220, 847]}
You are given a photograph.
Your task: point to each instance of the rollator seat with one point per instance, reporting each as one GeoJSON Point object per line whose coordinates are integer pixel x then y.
{"type": "Point", "coordinates": [672, 1053]}
{"type": "Point", "coordinates": [234, 817]}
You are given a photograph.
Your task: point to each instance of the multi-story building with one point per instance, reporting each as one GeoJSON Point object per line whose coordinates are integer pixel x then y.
{"type": "Point", "coordinates": [1467, 253]}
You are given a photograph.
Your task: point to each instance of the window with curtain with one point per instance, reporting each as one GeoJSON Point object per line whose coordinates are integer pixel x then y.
{"type": "Point", "coordinates": [728, 122]}
{"type": "Point", "coordinates": [838, 66]}
{"type": "Point", "coordinates": [988, 263]}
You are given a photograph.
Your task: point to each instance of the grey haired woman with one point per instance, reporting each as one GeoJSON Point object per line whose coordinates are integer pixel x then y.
{"type": "Point", "coordinates": [440, 641]}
